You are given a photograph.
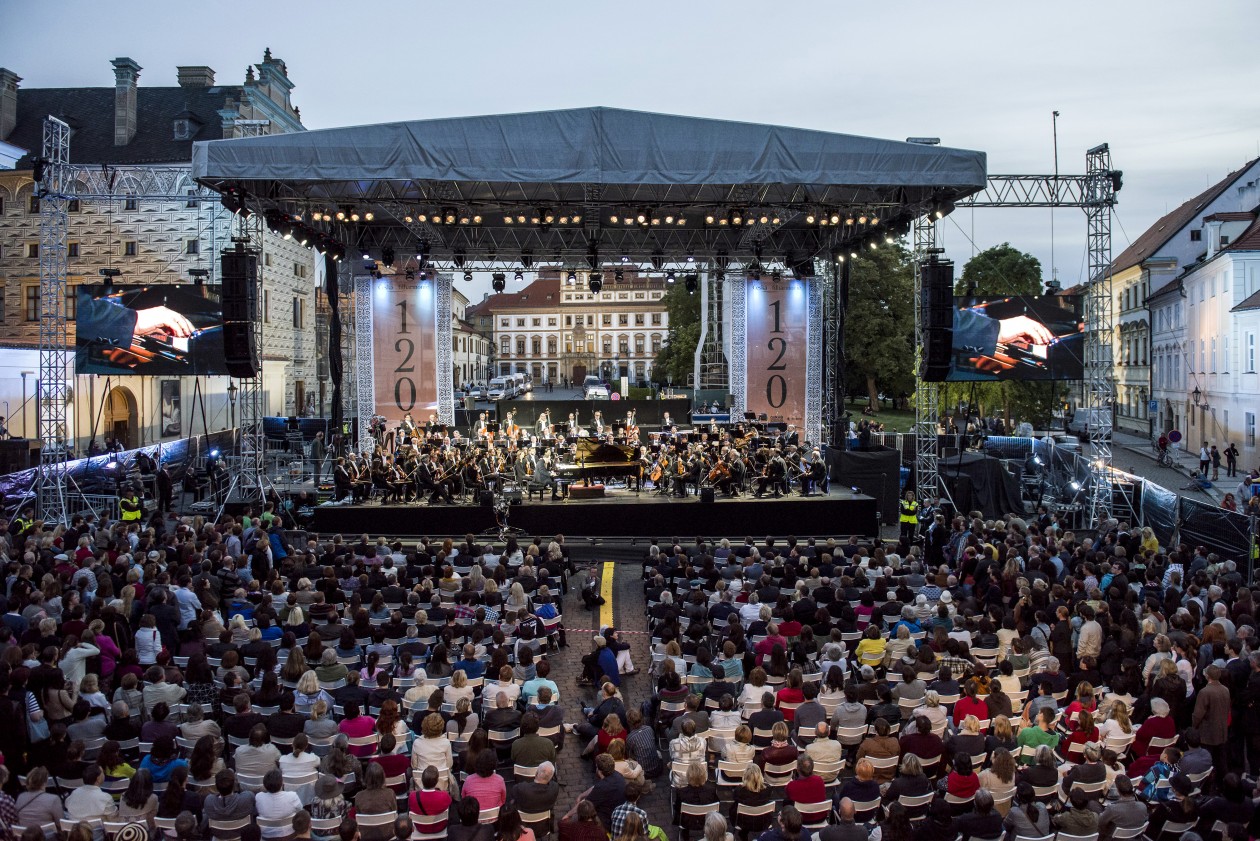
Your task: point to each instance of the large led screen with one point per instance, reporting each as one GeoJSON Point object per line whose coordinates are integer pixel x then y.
{"type": "Point", "coordinates": [1018, 338]}
{"type": "Point", "coordinates": [153, 330]}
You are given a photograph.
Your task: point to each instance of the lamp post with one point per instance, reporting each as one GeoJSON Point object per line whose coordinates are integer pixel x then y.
{"type": "Point", "coordinates": [231, 394]}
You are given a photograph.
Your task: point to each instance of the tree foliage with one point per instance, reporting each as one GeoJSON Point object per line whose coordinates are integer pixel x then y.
{"type": "Point", "coordinates": [879, 324]}
{"type": "Point", "coordinates": [1002, 270]}
{"type": "Point", "coordinates": [676, 360]}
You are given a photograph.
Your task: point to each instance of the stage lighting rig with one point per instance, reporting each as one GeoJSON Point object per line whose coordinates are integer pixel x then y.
{"type": "Point", "coordinates": [669, 276]}
{"type": "Point", "coordinates": [692, 283]}
{"type": "Point", "coordinates": [595, 283]}
{"type": "Point", "coordinates": [468, 275]}
{"type": "Point", "coordinates": [519, 276]}
{"type": "Point", "coordinates": [387, 256]}
{"type": "Point", "coordinates": [498, 282]}
{"type": "Point", "coordinates": [619, 275]}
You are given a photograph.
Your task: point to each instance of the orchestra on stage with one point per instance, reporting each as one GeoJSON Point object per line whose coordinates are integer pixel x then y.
{"type": "Point", "coordinates": [412, 462]}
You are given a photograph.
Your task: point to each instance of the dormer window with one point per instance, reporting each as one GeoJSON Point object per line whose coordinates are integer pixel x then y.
{"type": "Point", "coordinates": [186, 125]}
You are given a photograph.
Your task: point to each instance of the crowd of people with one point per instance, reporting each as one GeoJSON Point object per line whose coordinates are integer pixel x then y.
{"type": "Point", "coordinates": [216, 680]}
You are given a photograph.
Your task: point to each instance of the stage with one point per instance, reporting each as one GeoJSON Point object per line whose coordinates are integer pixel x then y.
{"type": "Point", "coordinates": [621, 514]}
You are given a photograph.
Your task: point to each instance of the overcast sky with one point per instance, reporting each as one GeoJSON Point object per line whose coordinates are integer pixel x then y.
{"type": "Point", "coordinates": [1170, 85]}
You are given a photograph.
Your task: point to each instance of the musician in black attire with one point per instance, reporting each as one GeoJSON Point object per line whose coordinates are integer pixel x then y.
{"type": "Point", "coordinates": [430, 480]}
{"type": "Point", "coordinates": [341, 480]}
{"type": "Point", "coordinates": [774, 476]}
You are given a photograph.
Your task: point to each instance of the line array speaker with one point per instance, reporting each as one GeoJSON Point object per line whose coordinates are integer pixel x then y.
{"type": "Point", "coordinates": [240, 313]}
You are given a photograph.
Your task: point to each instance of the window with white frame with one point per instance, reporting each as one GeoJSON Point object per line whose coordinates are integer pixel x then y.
{"type": "Point", "coordinates": [1250, 365]}
{"type": "Point", "coordinates": [1249, 423]}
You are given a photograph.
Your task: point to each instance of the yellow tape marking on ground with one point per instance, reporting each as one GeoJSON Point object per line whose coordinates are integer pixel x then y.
{"type": "Point", "coordinates": [606, 590]}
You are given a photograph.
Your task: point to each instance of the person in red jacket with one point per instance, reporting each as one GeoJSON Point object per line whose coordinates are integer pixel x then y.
{"type": "Point", "coordinates": [807, 788]}
{"type": "Point", "coordinates": [970, 704]}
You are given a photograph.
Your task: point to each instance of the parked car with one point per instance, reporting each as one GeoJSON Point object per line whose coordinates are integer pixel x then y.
{"type": "Point", "coordinates": [1082, 419]}
{"type": "Point", "coordinates": [591, 381]}
{"type": "Point", "coordinates": [597, 392]}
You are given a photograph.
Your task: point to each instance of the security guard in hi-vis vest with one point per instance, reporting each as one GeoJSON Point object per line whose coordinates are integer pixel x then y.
{"type": "Point", "coordinates": [129, 506]}
{"type": "Point", "coordinates": [909, 518]}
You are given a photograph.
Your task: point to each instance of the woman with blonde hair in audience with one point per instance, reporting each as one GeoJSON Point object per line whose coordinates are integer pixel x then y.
{"type": "Point", "coordinates": [999, 778]}
{"type": "Point", "coordinates": [1001, 735]}
{"type": "Point", "coordinates": [458, 688]}
{"type": "Point", "coordinates": [432, 748]}
{"type": "Point", "coordinates": [752, 791]}
{"type": "Point", "coordinates": [1117, 724]}
{"type": "Point", "coordinates": [933, 711]}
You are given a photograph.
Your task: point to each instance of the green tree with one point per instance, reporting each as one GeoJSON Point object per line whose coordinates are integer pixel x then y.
{"type": "Point", "coordinates": [1003, 270]}
{"type": "Point", "coordinates": [879, 324]}
{"type": "Point", "coordinates": [677, 356]}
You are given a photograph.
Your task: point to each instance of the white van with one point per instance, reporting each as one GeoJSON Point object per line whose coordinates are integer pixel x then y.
{"type": "Point", "coordinates": [1083, 420]}
{"type": "Point", "coordinates": [501, 388]}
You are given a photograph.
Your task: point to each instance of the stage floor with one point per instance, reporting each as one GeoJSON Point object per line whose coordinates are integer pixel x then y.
{"type": "Point", "coordinates": [620, 514]}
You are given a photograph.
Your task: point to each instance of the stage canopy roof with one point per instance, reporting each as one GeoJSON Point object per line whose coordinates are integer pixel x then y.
{"type": "Point", "coordinates": [589, 185]}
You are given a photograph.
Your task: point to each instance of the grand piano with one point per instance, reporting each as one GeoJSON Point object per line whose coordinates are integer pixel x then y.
{"type": "Point", "coordinates": [601, 460]}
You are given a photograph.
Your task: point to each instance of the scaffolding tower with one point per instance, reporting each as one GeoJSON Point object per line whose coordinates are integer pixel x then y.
{"type": "Point", "coordinates": [54, 351]}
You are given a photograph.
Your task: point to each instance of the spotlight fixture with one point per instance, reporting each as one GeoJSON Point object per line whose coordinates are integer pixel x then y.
{"type": "Point", "coordinates": [450, 216]}
{"type": "Point", "coordinates": [614, 218]}
{"type": "Point", "coordinates": [595, 282]}
{"type": "Point", "coordinates": [691, 256]}
{"type": "Point", "coordinates": [809, 218]}
{"type": "Point", "coordinates": [691, 282]}
{"type": "Point", "coordinates": [708, 219]}
{"type": "Point", "coordinates": [354, 216]}
{"type": "Point", "coordinates": [942, 209]}
{"type": "Point", "coordinates": [422, 217]}
{"type": "Point", "coordinates": [888, 239]}
{"type": "Point", "coordinates": [669, 218]}
{"type": "Point", "coordinates": [719, 276]}
{"type": "Point", "coordinates": [669, 276]}
{"type": "Point", "coordinates": [367, 255]}
{"type": "Point", "coordinates": [572, 279]}
{"type": "Point", "coordinates": [368, 217]}
{"type": "Point", "coordinates": [625, 258]}
{"type": "Point", "coordinates": [411, 274]}
{"type": "Point", "coordinates": [387, 256]}
{"type": "Point", "coordinates": [835, 218]}
{"type": "Point", "coordinates": [468, 275]}
{"type": "Point", "coordinates": [849, 220]}
{"type": "Point", "coordinates": [641, 217]}
{"type": "Point", "coordinates": [619, 275]}
{"type": "Point", "coordinates": [658, 260]}
{"type": "Point", "coordinates": [519, 276]}
{"type": "Point", "coordinates": [736, 217]}
{"type": "Point", "coordinates": [874, 246]}
{"type": "Point", "coordinates": [776, 277]}
{"type": "Point", "coordinates": [498, 282]}
{"type": "Point", "coordinates": [341, 216]}
{"type": "Point", "coordinates": [852, 255]}
{"type": "Point", "coordinates": [764, 219]}
{"type": "Point", "coordinates": [754, 273]}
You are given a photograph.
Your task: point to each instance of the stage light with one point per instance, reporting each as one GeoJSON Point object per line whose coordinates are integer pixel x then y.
{"type": "Point", "coordinates": [658, 260]}
{"type": "Point", "coordinates": [849, 220]}
{"type": "Point", "coordinates": [625, 258]}
{"type": "Point", "coordinates": [852, 255]}
{"type": "Point", "coordinates": [681, 220]}
{"type": "Point", "coordinates": [450, 217]}
{"type": "Point", "coordinates": [619, 275]}
{"type": "Point", "coordinates": [835, 218]}
{"type": "Point", "coordinates": [874, 246]}
{"type": "Point", "coordinates": [564, 220]}
{"type": "Point", "coordinates": [464, 220]}
{"type": "Point", "coordinates": [708, 218]}
{"type": "Point", "coordinates": [888, 239]}
{"type": "Point", "coordinates": [719, 276]}
{"type": "Point", "coordinates": [519, 276]}
{"type": "Point", "coordinates": [341, 216]}
{"type": "Point", "coordinates": [874, 220]}
{"type": "Point", "coordinates": [774, 220]}
{"type": "Point", "coordinates": [736, 217]}
{"type": "Point", "coordinates": [410, 274]}
{"type": "Point", "coordinates": [629, 221]}
{"type": "Point", "coordinates": [809, 218]}
{"type": "Point", "coordinates": [572, 279]}
{"type": "Point", "coordinates": [214, 454]}
{"type": "Point", "coordinates": [776, 276]}
{"type": "Point", "coordinates": [468, 275]}
{"type": "Point", "coordinates": [1074, 486]}
{"type": "Point", "coordinates": [641, 218]}
{"type": "Point", "coordinates": [498, 282]}
{"type": "Point", "coordinates": [839, 258]}
{"type": "Point", "coordinates": [614, 219]}
{"type": "Point", "coordinates": [764, 219]}
{"type": "Point", "coordinates": [576, 219]}
{"type": "Point", "coordinates": [507, 220]}
{"type": "Point", "coordinates": [548, 217]}
{"type": "Point", "coordinates": [669, 219]}
{"type": "Point", "coordinates": [595, 283]}
{"type": "Point", "coordinates": [691, 282]}
{"type": "Point", "coordinates": [477, 219]}
{"type": "Point", "coordinates": [862, 219]}
{"type": "Point", "coordinates": [669, 276]}
{"type": "Point", "coordinates": [723, 221]}
{"type": "Point", "coordinates": [691, 256]}
{"type": "Point", "coordinates": [520, 218]}
{"type": "Point", "coordinates": [754, 274]}
{"type": "Point", "coordinates": [942, 209]}
{"type": "Point", "coordinates": [366, 255]}
{"type": "Point", "coordinates": [369, 216]}
{"type": "Point", "coordinates": [408, 219]}
{"type": "Point", "coordinates": [387, 256]}
{"type": "Point", "coordinates": [354, 216]}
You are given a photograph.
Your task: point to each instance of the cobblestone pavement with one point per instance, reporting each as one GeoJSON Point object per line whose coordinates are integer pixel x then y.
{"type": "Point", "coordinates": [629, 614]}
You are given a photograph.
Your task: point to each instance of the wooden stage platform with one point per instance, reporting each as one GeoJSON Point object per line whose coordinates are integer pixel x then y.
{"type": "Point", "coordinates": [621, 513]}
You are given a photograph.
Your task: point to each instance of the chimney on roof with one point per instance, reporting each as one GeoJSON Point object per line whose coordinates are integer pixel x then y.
{"type": "Point", "coordinates": [8, 101]}
{"type": "Point", "coordinates": [195, 77]}
{"type": "Point", "coordinates": [126, 74]}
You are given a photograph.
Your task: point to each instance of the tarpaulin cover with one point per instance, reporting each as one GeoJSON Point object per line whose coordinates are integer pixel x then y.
{"type": "Point", "coordinates": [980, 482]}
{"type": "Point", "coordinates": [1159, 511]}
{"type": "Point", "coordinates": [95, 475]}
{"type": "Point", "coordinates": [876, 471]}
{"type": "Point", "coordinates": [1224, 532]}
{"type": "Point", "coordinates": [587, 145]}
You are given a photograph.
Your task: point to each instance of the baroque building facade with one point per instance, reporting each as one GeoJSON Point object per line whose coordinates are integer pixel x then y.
{"type": "Point", "coordinates": [126, 128]}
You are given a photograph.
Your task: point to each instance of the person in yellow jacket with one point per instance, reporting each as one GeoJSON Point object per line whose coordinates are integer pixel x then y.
{"type": "Point", "coordinates": [130, 507]}
{"type": "Point", "coordinates": [909, 518]}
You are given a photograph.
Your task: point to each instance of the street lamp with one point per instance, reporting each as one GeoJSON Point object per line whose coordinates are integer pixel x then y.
{"type": "Point", "coordinates": [231, 393]}
{"type": "Point", "coordinates": [1197, 395]}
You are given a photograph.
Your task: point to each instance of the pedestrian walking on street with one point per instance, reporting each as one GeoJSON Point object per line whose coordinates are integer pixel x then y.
{"type": "Point", "coordinates": [1216, 464]}
{"type": "Point", "coordinates": [1231, 460]}
{"type": "Point", "coordinates": [1205, 459]}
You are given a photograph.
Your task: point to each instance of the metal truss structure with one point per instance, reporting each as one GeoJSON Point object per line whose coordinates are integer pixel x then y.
{"type": "Point", "coordinates": [252, 472]}
{"type": "Point", "coordinates": [926, 395]}
{"type": "Point", "coordinates": [1095, 193]}
{"type": "Point", "coordinates": [54, 351]}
